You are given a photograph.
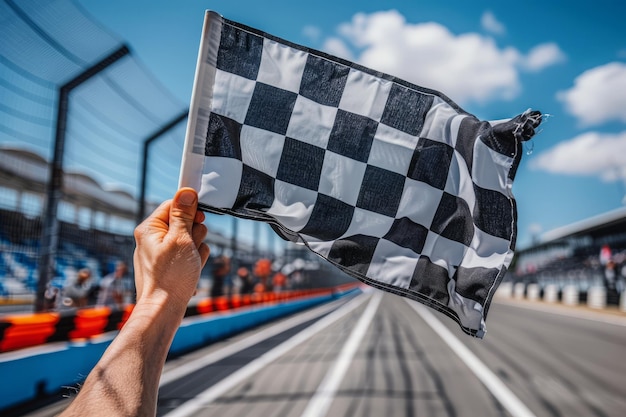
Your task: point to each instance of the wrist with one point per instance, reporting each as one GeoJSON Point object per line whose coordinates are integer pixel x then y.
{"type": "Point", "coordinates": [158, 297]}
{"type": "Point", "coordinates": [159, 307]}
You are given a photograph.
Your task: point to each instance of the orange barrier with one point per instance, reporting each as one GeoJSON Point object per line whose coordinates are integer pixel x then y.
{"type": "Point", "coordinates": [246, 300]}
{"type": "Point", "coordinates": [24, 330]}
{"type": "Point", "coordinates": [236, 301]}
{"type": "Point", "coordinates": [127, 310]}
{"type": "Point", "coordinates": [221, 303]}
{"type": "Point", "coordinates": [205, 306]}
{"type": "Point", "coordinates": [90, 322]}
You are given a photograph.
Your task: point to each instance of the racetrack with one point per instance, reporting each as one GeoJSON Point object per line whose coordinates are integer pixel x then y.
{"type": "Point", "coordinates": [378, 355]}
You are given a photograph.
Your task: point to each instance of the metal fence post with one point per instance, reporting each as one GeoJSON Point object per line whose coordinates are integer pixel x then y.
{"type": "Point", "coordinates": [50, 223]}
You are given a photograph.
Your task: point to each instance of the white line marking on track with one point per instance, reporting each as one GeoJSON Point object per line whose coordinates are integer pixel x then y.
{"type": "Point", "coordinates": [192, 366]}
{"type": "Point", "coordinates": [499, 390]}
{"type": "Point", "coordinates": [213, 392]}
{"type": "Point", "coordinates": [320, 402]}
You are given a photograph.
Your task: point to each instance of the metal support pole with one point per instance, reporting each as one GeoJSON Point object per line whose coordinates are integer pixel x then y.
{"type": "Point", "coordinates": [233, 238]}
{"type": "Point", "coordinates": [141, 212]}
{"type": "Point", "coordinates": [50, 223]}
{"type": "Point", "coordinates": [256, 237]}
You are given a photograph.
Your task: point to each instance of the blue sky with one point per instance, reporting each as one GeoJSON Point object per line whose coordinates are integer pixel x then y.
{"type": "Point", "coordinates": [495, 58]}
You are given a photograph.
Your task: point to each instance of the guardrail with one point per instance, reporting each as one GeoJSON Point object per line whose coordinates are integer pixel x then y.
{"type": "Point", "coordinates": [44, 370]}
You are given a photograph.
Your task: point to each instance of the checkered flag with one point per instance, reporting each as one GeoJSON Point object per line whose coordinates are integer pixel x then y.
{"type": "Point", "coordinates": [391, 182]}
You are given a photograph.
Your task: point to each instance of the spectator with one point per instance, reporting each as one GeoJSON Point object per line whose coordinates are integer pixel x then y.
{"type": "Point", "coordinates": [279, 282]}
{"type": "Point", "coordinates": [247, 282]}
{"type": "Point", "coordinates": [50, 297]}
{"type": "Point", "coordinates": [610, 276]}
{"type": "Point", "coordinates": [262, 271]}
{"type": "Point", "coordinates": [76, 292]}
{"type": "Point", "coordinates": [221, 269]}
{"type": "Point", "coordinates": [113, 287]}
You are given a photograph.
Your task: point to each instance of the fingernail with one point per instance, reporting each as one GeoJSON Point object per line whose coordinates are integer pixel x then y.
{"type": "Point", "coordinates": [187, 198]}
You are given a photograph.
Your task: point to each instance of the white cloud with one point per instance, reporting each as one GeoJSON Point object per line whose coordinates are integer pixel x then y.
{"type": "Point", "coordinates": [542, 56]}
{"type": "Point", "coordinates": [489, 22]}
{"type": "Point", "coordinates": [467, 67]}
{"type": "Point", "coordinates": [589, 154]}
{"type": "Point", "coordinates": [598, 94]}
{"type": "Point", "coordinates": [313, 33]}
{"type": "Point", "coordinates": [338, 47]}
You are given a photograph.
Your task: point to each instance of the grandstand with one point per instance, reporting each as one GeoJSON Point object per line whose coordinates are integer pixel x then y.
{"type": "Point", "coordinates": [95, 228]}
{"type": "Point", "coordinates": [571, 255]}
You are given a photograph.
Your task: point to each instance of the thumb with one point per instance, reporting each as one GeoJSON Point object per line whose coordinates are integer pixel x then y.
{"type": "Point", "coordinates": [183, 210]}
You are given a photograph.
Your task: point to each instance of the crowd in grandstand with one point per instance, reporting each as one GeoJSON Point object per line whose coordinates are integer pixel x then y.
{"type": "Point", "coordinates": [583, 268]}
{"type": "Point", "coordinates": [116, 289]}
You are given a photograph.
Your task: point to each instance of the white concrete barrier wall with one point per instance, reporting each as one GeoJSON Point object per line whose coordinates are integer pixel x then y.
{"type": "Point", "coordinates": [551, 293]}
{"type": "Point", "coordinates": [505, 290]}
{"type": "Point", "coordinates": [622, 301]}
{"type": "Point", "coordinates": [570, 295]}
{"type": "Point", "coordinates": [596, 297]}
{"type": "Point", "coordinates": [532, 292]}
{"type": "Point", "coordinates": [518, 290]}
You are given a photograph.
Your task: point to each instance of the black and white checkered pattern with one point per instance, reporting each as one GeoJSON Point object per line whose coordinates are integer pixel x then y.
{"type": "Point", "coordinates": [391, 182]}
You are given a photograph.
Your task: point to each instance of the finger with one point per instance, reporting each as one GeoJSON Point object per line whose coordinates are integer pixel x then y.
{"type": "Point", "coordinates": [160, 216]}
{"type": "Point", "coordinates": [162, 212]}
{"type": "Point", "coordinates": [183, 210]}
{"type": "Point", "coordinates": [198, 233]}
{"type": "Point", "coordinates": [204, 252]}
{"type": "Point", "coordinates": [200, 217]}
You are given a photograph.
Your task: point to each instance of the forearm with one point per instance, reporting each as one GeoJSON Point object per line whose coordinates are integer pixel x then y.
{"type": "Point", "coordinates": [125, 380]}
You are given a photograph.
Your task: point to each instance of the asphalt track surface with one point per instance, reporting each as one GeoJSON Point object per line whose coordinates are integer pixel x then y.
{"type": "Point", "coordinates": [379, 355]}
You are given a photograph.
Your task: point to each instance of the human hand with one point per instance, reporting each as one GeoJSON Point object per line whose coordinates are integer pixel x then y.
{"type": "Point", "coordinates": [170, 251]}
